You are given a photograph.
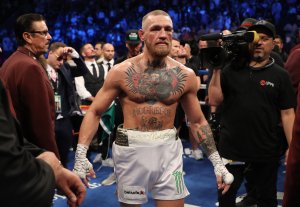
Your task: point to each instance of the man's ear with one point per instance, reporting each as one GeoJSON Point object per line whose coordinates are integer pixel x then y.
{"type": "Point", "coordinates": [274, 45]}
{"type": "Point", "coordinates": [141, 34]}
{"type": "Point", "coordinates": [27, 37]}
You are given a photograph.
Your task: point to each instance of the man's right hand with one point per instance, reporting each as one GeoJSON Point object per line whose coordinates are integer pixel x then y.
{"type": "Point", "coordinates": [82, 167]}
{"type": "Point", "coordinates": [66, 181]}
{"type": "Point", "coordinates": [71, 186]}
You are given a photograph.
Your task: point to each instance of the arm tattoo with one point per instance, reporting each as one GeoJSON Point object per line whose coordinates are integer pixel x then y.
{"type": "Point", "coordinates": [205, 135]}
{"type": "Point", "coordinates": [155, 84]}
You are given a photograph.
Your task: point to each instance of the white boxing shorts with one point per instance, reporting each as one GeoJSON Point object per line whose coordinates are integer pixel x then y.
{"type": "Point", "coordinates": [148, 162]}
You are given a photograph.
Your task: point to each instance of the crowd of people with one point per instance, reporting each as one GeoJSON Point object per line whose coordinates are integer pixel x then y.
{"type": "Point", "coordinates": [139, 101]}
{"type": "Point", "coordinates": [76, 22]}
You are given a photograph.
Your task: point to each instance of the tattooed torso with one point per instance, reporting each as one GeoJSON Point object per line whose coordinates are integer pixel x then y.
{"type": "Point", "coordinates": [151, 96]}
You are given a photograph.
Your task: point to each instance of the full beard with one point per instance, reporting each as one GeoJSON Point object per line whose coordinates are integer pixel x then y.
{"type": "Point", "coordinates": [158, 51]}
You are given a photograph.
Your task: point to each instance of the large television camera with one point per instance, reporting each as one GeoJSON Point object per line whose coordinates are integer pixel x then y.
{"type": "Point", "coordinates": [232, 47]}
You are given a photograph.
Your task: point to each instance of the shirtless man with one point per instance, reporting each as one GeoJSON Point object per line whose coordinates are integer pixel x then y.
{"type": "Point", "coordinates": [147, 152]}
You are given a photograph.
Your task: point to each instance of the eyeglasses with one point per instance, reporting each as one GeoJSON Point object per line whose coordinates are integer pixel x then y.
{"type": "Point", "coordinates": [42, 33]}
{"type": "Point", "coordinates": [59, 58]}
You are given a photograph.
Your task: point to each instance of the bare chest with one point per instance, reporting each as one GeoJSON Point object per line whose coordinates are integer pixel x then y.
{"type": "Point", "coordinates": [162, 85]}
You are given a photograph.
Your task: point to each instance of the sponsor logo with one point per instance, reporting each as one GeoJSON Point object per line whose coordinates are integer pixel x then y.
{"type": "Point", "coordinates": [141, 192]}
{"type": "Point", "coordinates": [179, 181]}
{"type": "Point", "coordinates": [266, 83]}
{"type": "Point", "coordinates": [134, 192]}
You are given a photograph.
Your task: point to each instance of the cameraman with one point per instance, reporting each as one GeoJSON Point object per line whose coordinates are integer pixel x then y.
{"type": "Point", "coordinates": [256, 96]}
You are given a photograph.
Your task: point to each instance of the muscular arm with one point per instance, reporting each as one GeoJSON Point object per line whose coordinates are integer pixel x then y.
{"type": "Point", "coordinates": [215, 93]}
{"type": "Point", "coordinates": [288, 117]}
{"type": "Point", "coordinates": [102, 101]}
{"type": "Point", "coordinates": [198, 124]}
{"type": "Point", "coordinates": [202, 133]}
{"type": "Point", "coordinates": [90, 124]}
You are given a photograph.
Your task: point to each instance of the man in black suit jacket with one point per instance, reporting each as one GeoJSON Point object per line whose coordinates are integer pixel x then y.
{"type": "Point", "coordinates": [28, 173]}
{"type": "Point", "coordinates": [61, 73]}
{"type": "Point", "coordinates": [88, 85]}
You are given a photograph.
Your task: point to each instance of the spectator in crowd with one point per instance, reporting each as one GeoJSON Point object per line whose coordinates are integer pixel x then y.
{"type": "Point", "coordinates": [29, 173]}
{"type": "Point", "coordinates": [24, 75]}
{"type": "Point", "coordinates": [66, 100]}
{"type": "Point", "coordinates": [75, 24]}
{"type": "Point", "coordinates": [87, 86]}
{"type": "Point", "coordinates": [149, 96]}
{"type": "Point", "coordinates": [175, 48]}
{"type": "Point", "coordinates": [108, 62]}
{"type": "Point", "coordinates": [279, 42]}
{"type": "Point", "coordinates": [133, 45]}
{"type": "Point", "coordinates": [98, 51]}
{"type": "Point", "coordinates": [192, 52]}
{"type": "Point", "coordinates": [252, 143]}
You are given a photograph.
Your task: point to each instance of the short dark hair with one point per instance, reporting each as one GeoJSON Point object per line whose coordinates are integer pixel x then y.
{"type": "Point", "coordinates": [54, 46]}
{"type": "Point", "coordinates": [279, 37]}
{"type": "Point", "coordinates": [24, 24]}
{"type": "Point", "coordinates": [82, 47]}
{"type": "Point", "coordinates": [101, 43]}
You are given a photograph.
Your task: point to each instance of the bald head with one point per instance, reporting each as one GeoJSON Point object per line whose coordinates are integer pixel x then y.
{"type": "Point", "coordinates": [108, 51]}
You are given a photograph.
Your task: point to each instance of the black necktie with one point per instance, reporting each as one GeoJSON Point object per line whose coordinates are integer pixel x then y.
{"type": "Point", "coordinates": [108, 68]}
{"type": "Point", "coordinates": [94, 71]}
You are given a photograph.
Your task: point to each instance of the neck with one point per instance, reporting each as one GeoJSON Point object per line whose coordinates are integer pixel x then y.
{"type": "Point", "coordinates": [31, 52]}
{"type": "Point", "coordinates": [154, 61]}
{"type": "Point", "coordinates": [89, 59]}
{"type": "Point", "coordinates": [107, 60]}
{"type": "Point", "coordinates": [258, 64]}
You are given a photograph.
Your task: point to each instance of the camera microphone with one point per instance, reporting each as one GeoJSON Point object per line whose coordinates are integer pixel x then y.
{"type": "Point", "coordinates": [211, 36]}
{"type": "Point", "coordinates": [249, 36]}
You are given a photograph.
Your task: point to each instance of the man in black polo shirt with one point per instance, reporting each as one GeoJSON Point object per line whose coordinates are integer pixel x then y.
{"type": "Point", "coordinates": [256, 96]}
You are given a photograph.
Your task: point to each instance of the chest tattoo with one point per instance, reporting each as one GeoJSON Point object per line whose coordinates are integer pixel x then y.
{"type": "Point", "coordinates": [155, 84]}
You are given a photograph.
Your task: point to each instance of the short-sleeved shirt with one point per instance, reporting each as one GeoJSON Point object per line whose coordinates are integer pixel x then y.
{"type": "Point", "coordinates": [253, 99]}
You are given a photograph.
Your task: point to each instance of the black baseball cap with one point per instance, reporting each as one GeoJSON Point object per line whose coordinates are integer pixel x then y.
{"type": "Point", "coordinates": [132, 37]}
{"type": "Point", "coordinates": [264, 27]}
{"type": "Point", "coordinates": [248, 22]}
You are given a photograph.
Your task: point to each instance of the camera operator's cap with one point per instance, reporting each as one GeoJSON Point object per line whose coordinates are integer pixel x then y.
{"type": "Point", "coordinates": [265, 26]}
{"type": "Point", "coordinates": [248, 22]}
{"type": "Point", "coordinates": [132, 37]}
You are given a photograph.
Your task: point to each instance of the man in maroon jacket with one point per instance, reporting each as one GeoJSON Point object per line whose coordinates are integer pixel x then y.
{"type": "Point", "coordinates": [292, 179]}
{"type": "Point", "coordinates": [24, 75]}
{"type": "Point", "coordinates": [292, 65]}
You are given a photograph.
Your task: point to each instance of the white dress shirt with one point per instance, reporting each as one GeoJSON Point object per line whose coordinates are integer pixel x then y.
{"type": "Point", "coordinates": [105, 66]}
{"type": "Point", "coordinates": [51, 72]}
{"type": "Point", "coordinates": [79, 81]}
